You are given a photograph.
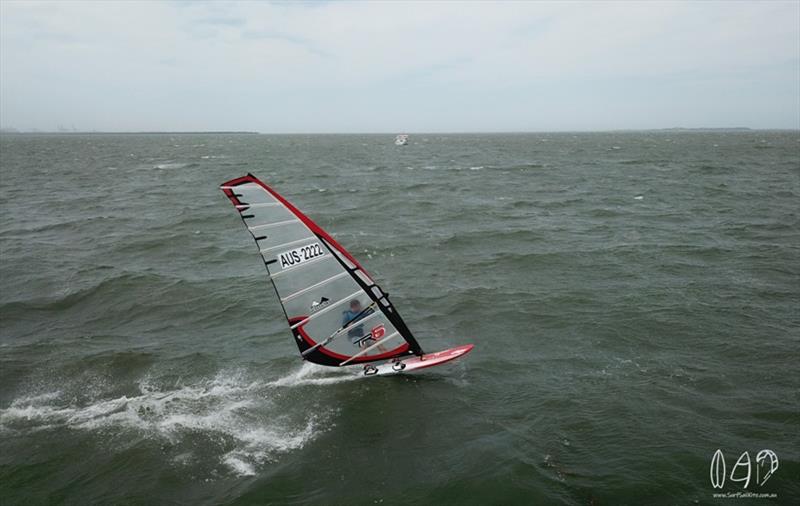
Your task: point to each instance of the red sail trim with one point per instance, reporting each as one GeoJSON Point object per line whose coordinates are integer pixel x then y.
{"type": "Point", "coordinates": [302, 217]}
{"type": "Point", "coordinates": [230, 193]}
{"type": "Point", "coordinates": [400, 350]}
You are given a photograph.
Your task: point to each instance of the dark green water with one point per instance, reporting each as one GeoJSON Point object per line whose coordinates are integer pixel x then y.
{"type": "Point", "coordinates": [633, 297]}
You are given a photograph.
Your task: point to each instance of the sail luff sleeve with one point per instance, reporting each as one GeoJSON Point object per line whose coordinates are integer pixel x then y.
{"type": "Point", "coordinates": [229, 190]}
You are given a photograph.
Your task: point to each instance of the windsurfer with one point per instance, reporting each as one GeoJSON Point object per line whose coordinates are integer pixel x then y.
{"type": "Point", "coordinates": [354, 314]}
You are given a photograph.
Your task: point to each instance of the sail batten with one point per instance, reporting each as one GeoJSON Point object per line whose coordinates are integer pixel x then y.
{"type": "Point", "coordinates": [271, 225]}
{"type": "Point", "coordinates": [290, 243]}
{"type": "Point", "coordinates": [263, 204]}
{"type": "Point", "coordinates": [312, 287]}
{"type": "Point", "coordinates": [323, 311]}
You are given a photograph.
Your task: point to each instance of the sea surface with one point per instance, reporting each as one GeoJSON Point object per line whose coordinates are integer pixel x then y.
{"type": "Point", "coordinates": [633, 298]}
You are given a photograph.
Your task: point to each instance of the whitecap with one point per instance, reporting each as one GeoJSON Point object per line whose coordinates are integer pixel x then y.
{"type": "Point", "coordinates": [170, 165]}
{"type": "Point", "coordinates": [238, 466]}
{"type": "Point", "coordinates": [312, 374]}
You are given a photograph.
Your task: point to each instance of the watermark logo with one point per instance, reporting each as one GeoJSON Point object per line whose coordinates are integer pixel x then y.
{"type": "Point", "coordinates": [743, 470]}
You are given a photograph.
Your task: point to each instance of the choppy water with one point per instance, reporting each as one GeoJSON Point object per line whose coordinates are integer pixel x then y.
{"type": "Point", "coordinates": [633, 298]}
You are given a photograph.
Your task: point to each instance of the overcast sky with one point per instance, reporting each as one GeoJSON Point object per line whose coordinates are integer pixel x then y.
{"type": "Point", "coordinates": [398, 66]}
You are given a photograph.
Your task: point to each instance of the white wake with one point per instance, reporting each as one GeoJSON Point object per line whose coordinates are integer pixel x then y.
{"type": "Point", "coordinates": [229, 406]}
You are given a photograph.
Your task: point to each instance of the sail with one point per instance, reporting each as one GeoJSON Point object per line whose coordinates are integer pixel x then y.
{"type": "Point", "coordinates": [337, 314]}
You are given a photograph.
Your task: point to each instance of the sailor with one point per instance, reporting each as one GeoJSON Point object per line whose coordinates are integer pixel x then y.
{"type": "Point", "coordinates": [352, 315]}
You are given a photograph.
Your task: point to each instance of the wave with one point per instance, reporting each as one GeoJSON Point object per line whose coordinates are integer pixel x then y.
{"type": "Point", "coordinates": [28, 229]}
{"type": "Point", "coordinates": [109, 287]}
{"type": "Point", "coordinates": [660, 162]}
{"type": "Point", "coordinates": [707, 168]}
{"type": "Point", "coordinates": [101, 287]}
{"type": "Point", "coordinates": [521, 166]}
{"type": "Point", "coordinates": [175, 165]}
{"type": "Point", "coordinates": [513, 236]}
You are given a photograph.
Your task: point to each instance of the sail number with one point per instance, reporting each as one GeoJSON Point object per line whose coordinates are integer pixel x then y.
{"type": "Point", "coordinates": [300, 255]}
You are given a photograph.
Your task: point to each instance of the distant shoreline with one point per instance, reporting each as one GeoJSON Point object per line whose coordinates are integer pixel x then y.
{"type": "Point", "coordinates": [519, 132]}
{"type": "Point", "coordinates": [232, 132]}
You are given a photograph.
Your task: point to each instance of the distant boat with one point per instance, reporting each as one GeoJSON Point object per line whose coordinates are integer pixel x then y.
{"type": "Point", "coordinates": [401, 140]}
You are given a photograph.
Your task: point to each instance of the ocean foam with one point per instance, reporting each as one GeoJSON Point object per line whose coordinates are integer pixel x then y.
{"type": "Point", "coordinates": [312, 374]}
{"type": "Point", "coordinates": [230, 406]}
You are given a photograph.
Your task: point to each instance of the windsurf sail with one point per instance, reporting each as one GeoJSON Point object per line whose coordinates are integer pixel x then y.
{"type": "Point", "coordinates": [337, 314]}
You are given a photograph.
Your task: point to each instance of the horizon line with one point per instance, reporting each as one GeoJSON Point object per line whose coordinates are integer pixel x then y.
{"type": "Point", "coordinates": [14, 131]}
